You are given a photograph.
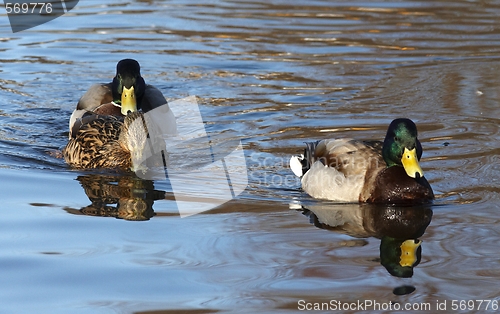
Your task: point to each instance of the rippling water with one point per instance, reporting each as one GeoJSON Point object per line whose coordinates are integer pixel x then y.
{"type": "Point", "coordinates": [272, 74]}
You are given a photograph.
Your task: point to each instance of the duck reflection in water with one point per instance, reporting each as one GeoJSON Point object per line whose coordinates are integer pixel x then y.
{"type": "Point", "coordinates": [123, 196]}
{"type": "Point", "coordinates": [398, 228]}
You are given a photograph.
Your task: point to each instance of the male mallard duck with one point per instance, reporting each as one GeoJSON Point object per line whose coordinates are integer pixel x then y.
{"type": "Point", "coordinates": [102, 132]}
{"type": "Point", "coordinates": [127, 92]}
{"type": "Point", "coordinates": [348, 170]}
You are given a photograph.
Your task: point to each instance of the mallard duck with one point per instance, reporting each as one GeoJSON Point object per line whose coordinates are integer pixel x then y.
{"type": "Point", "coordinates": [127, 92]}
{"type": "Point", "coordinates": [107, 142]}
{"type": "Point", "coordinates": [102, 132]}
{"type": "Point", "coordinates": [348, 170]}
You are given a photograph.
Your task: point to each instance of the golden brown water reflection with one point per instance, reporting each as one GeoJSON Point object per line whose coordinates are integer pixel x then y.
{"type": "Point", "coordinates": [274, 74]}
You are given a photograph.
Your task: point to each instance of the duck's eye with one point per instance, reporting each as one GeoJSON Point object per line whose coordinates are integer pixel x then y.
{"type": "Point", "coordinates": [396, 139]}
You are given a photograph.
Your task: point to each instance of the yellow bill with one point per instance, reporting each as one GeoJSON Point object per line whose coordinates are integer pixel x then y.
{"type": "Point", "coordinates": [409, 252]}
{"type": "Point", "coordinates": [129, 103]}
{"type": "Point", "coordinates": [410, 163]}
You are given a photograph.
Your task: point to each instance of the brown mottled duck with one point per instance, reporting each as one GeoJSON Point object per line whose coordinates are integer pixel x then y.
{"type": "Point", "coordinates": [107, 129]}
{"type": "Point", "coordinates": [107, 142]}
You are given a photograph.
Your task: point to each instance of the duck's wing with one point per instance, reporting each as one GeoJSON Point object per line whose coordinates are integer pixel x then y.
{"type": "Point", "coordinates": [153, 98]}
{"type": "Point", "coordinates": [349, 157]}
{"type": "Point", "coordinates": [159, 111]}
{"type": "Point", "coordinates": [97, 96]}
{"type": "Point", "coordinates": [339, 168]}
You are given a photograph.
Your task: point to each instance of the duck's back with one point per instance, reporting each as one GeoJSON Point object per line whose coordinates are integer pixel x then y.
{"type": "Point", "coordinates": [88, 148]}
{"type": "Point", "coordinates": [339, 168]}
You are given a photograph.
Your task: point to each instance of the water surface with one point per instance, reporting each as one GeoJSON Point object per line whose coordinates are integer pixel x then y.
{"type": "Point", "coordinates": [272, 74]}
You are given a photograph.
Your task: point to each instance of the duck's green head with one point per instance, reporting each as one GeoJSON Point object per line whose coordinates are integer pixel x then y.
{"type": "Point", "coordinates": [402, 148]}
{"type": "Point", "coordinates": [128, 85]}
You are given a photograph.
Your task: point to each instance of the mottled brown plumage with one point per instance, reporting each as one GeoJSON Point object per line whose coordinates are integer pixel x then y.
{"type": "Point", "coordinates": [104, 142]}
{"type": "Point", "coordinates": [99, 134]}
